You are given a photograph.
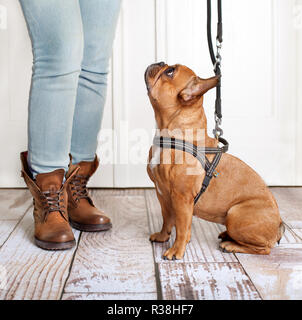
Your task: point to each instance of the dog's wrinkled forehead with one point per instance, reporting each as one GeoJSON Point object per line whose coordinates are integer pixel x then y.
{"type": "Point", "coordinates": [176, 75]}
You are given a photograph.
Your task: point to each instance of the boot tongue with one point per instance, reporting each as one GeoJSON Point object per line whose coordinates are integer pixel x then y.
{"type": "Point", "coordinates": [50, 181]}
{"type": "Point", "coordinates": [86, 168]}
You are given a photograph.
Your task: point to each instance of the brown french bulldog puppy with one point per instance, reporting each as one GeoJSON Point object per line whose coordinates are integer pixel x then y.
{"type": "Point", "coordinates": [238, 198]}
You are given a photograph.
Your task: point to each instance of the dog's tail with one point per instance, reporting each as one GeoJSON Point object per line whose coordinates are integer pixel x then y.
{"type": "Point", "coordinates": [281, 231]}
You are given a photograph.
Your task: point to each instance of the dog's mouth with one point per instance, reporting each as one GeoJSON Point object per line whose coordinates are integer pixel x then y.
{"type": "Point", "coordinates": [153, 72]}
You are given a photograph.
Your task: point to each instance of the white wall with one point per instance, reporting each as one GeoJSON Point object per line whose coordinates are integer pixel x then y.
{"type": "Point", "coordinates": [262, 116]}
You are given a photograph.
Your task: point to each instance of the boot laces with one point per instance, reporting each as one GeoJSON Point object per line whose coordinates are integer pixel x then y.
{"type": "Point", "coordinates": [78, 186]}
{"type": "Point", "coordinates": [52, 202]}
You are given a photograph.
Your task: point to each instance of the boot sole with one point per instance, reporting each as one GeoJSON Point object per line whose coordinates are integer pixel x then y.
{"type": "Point", "coordinates": [90, 227]}
{"type": "Point", "coordinates": [46, 245]}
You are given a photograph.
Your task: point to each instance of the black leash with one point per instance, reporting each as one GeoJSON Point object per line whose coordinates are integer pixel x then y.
{"type": "Point", "coordinates": [216, 60]}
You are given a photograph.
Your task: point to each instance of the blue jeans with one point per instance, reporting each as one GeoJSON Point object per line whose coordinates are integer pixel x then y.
{"type": "Point", "coordinates": [72, 44]}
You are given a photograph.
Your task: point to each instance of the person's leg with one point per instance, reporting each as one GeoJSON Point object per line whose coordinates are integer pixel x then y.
{"type": "Point", "coordinates": [99, 20]}
{"type": "Point", "coordinates": [55, 28]}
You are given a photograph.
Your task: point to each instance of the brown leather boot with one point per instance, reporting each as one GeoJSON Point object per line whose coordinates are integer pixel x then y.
{"type": "Point", "coordinates": [83, 215]}
{"type": "Point", "coordinates": [52, 229]}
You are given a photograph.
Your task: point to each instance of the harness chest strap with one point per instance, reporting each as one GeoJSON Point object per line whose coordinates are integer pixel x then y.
{"type": "Point", "coordinates": [197, 152]}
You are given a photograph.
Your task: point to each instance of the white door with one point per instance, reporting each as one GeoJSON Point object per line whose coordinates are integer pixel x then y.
{"type": "Point", "coordinates": [261, 76]}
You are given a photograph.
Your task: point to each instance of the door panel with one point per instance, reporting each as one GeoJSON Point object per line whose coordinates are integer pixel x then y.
{"type": "Point", "coordinates": [135, 48]}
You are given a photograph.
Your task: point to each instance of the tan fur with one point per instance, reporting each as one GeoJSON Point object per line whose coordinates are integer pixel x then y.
{"type": "Point", "coordinates": [238, 198]}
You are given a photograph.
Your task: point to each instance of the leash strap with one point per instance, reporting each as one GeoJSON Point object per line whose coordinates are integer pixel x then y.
{"type": "Point", "coordinates": [216, 60]}
{"type": "Point", "coordinates": [199, 153]}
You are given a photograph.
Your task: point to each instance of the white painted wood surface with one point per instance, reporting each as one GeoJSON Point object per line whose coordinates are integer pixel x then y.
{"type": "Point", "coordinates": [120, 264]}
{"type": "Point", "coordinates": [261, 72]}
{"type": "Point", "coordinates": [206, 281]}
{"type": "Point", "coordinates": [6, 227]}
{"type": "Point", "coordinates": [133, 120]}
{"type": "Point", "coordinates": [32, 273]}
{"type": "Point", "coordinates": [298, 232]}
{"type": "Point", "coordinates": [290, 203]}
{"type": "Point", "coordinates": [122, 257]}
{"type": "Point", "coordinates": [14, 203]}
{"type": "Point", "coordinates": [291, 236]}
{"type": "Point", "coordinates": [297, 23]}
{"type": "Point", "coordinates": [277, 276]}
{"type": "Point", "coordinates": [109, 296]}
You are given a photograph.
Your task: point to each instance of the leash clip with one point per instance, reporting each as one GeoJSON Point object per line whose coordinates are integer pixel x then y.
{"type": "Point", "coordinates": [218, 55]}
{"type": "Point", "coordinates": [218, 132]}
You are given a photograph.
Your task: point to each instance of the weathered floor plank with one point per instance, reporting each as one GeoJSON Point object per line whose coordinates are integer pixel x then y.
{"type": "Point", "coordinates": [109, 296]}
{"type": "Point", "coordinates": [32, 273]}
{"type": "Point", "coordinates": [119, 260]}
{"type": "Point", "coordinates": [206, 281]}
{"type": "Point", "coordinates": [6, 228]}
{"type": "Point", "coordinates": [278, 275]}
{"type": "Point", "coordinates": [118, 192]}
{"type": "Point", "coordinates": [204, 245]}
{"type": "Point", "coordinates": [290, 203]}
{"type": "Point", "coordinates": [291, 236]}
{"type": "Point", "coordinates": [119, 264]}
{"type": "Point", "coordinates": [297, 232]}
{"type": "Point", "coordinates": [14, 203]}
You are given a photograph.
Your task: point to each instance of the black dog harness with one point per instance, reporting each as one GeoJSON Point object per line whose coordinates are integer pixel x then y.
{"type": "Point", "coordinates": [199, 153]}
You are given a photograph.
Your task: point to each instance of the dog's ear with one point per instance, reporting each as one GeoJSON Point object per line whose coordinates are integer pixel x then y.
{"type": "Point", "coordinates": [198, 87]}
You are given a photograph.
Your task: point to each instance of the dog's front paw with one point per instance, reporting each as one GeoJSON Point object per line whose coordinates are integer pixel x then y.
{"type": "Point", "coordinates": [159, 237]}
{"type": "Point", "coordinates": [174, 253]}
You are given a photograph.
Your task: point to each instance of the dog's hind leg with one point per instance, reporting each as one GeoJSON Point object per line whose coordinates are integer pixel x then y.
{"type": "Point", "coordinates": [233, 247]}
{"type": "Point", "coordinates": [252, 228]}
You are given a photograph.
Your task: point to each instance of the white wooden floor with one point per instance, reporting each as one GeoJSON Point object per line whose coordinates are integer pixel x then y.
{"type": "Point", "coordinates": [123, 264]}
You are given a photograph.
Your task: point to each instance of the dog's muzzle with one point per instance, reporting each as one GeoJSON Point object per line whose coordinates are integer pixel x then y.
{"type": "Point", "coordinates": [152, 71]}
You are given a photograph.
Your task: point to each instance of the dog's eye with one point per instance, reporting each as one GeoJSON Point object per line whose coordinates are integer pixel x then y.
{"type": "Point", "coordinates": [170, 72]}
